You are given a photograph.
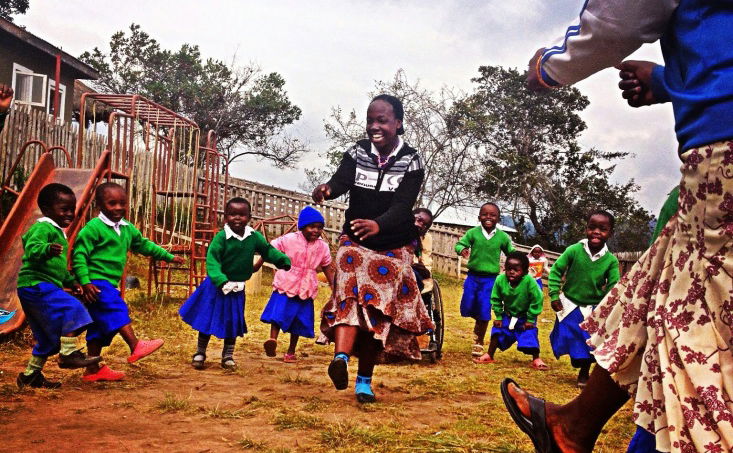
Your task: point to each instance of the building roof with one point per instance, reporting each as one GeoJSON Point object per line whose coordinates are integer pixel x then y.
{"type": "Point", "coordinates": [84, 71]}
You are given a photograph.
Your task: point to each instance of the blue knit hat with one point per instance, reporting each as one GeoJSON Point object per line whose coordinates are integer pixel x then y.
{"type": "Point", "coordinates": [309, 215]}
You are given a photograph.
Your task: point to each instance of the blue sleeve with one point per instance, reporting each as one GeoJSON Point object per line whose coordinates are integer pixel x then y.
{"type": "Point", "coordinates": [659, 87]}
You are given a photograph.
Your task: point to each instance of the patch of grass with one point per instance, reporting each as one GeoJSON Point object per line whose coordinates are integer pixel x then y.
{"type": "Point", "coordinates": [217, 412]}
{"type": "Point", "coordinates": [123, 405]}
{"type": "Point", "coordinates": [297, 420]}
{"type": "Point", "coordinates": [248, 444]}
{"type": "Point", "coordinates": [298, 380]}
{"type": "Point", "coordinates": [344, 434]}
{"type": "Point", "coordinates": [441, 442]}
{"type": "Point", "coordinates": [315, 404]}
{"type": "Point", "coordinates": [173, 403]}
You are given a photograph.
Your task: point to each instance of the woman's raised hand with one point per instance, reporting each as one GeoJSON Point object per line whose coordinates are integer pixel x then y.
{"type": "Point", "coordinates": [321, 192]}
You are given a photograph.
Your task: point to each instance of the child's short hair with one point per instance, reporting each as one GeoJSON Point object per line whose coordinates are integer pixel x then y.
{"type": "Point", "coordinates": [238, 200]}
{"type": "Point", "coordinates": [397, 108]}
{"type": "Point", "coordinates": [491, 203]}
{"type": "Point", "coordinates": [426, 211]}
{"type": "Point", "coordinates": [606, 214]}
{"type": "Point", "coordinates": [50, 192]}
{"type": "Point", "coordinates": [521, 257]}
{"type": "Point", "coordinates": [99, 191]}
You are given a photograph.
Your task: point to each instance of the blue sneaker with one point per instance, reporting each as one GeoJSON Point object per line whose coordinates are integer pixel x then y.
{"type": "Point", "coordinates": [363, 390]}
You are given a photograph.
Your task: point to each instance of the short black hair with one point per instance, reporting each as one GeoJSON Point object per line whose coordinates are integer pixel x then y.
{"type": "Point", "coordinates": [426, 211]}
{"type": "Point", "coordinates": [606, 214]}
{"type": "Point", "coordinates": [238, 200]}
{"type": "Point", "coordinates": [50, 192]}
{"type": "Point", "coordinates": [491, 203]}
{"type": "Point", "coordinates": [397, 108]}
{"type": "Point", "coordinates": [521, 257]}
{"type": "Point", "coordinates": [102, 188]}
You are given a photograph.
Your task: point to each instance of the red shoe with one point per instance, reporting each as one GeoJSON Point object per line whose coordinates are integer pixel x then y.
{"type": "Point", "coordinates": [143, 349]}
{"type": "Point", "coordinates": [104, 374]}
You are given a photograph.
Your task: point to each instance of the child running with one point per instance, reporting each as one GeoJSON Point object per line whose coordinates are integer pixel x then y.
{"type": "Point", "coordinates": [482, 245]}
{"type": "Point", "coordinates": [291, 305]}
{"type": "Point", "coordinates": [99, 259]}
{"type": "Point", "coordinates": [55, 317]}
{"type": "Point", "coordinates": [590, 271]}
{"type": "Point", "coordinates": [517, 301]}
{"type": "Point", "coordinates": [217, 306]}
{"type": "Point", "coordinates": [538, 266]}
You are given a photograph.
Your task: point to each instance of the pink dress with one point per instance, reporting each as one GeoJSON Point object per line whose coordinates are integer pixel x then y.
{"type": "Point", "coordinates": [305, 258]}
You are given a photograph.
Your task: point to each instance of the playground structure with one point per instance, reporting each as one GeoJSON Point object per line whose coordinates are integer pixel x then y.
{"type": "Point", "coordinates": [171, 179]}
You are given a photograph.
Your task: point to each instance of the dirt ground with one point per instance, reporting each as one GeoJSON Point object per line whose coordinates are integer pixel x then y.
{"type": "Point", "coordinates": [270, 406]}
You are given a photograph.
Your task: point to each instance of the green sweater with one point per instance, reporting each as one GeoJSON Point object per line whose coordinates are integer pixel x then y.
{"type": "Point", "coordinates": [525, 299]}
{"type": "Point", "coordinates": [586, 281]}
{"type": "Point", "coordinates": [38, 266]}
{"type": "Point", "coordinates": [669, 209]}
{"type": "Point", "coordinates": [485, 254]}
{"type": "Point", "coordinates": [231, 259]}
{"type": "Point", "coordinates": [101, 254]}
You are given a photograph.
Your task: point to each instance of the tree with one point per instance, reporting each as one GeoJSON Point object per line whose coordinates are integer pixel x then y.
{"type": "Point", "coordinates": [451, 170]}
{"type": "Point", "coordinates": [535, 168]}
{"type": "Point", "coordinates": [10, 7]}
{"type": "Point", "coordinates": [247, 109]}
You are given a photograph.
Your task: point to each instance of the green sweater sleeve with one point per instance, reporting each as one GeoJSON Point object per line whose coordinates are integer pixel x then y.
{"type": "Point", "coordinates": [465, 242]}
{"type": "Point", "coordinates": [556, 273]}
{"type": "Point", "coordinates": [213, 261]}
{"type": "Point", "coordinates": [145, 246]}
{"type": "Point", "coordinates": [270, 254]}
{"type": "Point", "coordinates": [37, 245]}
{"type": "Point", "coordinates": [507, 246]}
{"type": "Point", "coordinates": [614, 275]}
{"type": "Point", "coordinates": [83, 247]}
{"type": "Point", "coordinates": [536, 302]}
{"type": "Point", "coordinates": [497, 298]}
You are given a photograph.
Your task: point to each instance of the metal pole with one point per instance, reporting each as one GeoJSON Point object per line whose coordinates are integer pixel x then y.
{"type": "Point", "coordinates": [58, 87]}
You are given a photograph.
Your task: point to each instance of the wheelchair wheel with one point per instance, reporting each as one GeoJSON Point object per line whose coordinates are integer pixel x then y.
{"type": "Point", "coordinates": [439, 319]}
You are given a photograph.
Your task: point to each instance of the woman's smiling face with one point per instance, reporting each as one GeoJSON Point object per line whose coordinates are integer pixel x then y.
{"type": "Point", "coordinates": [382, 125]}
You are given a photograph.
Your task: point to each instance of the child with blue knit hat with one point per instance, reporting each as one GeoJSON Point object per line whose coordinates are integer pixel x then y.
{"type": "Point", "coordinates": [290, 307]}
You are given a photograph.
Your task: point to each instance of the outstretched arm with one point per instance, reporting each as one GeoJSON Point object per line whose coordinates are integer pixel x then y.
{"type": "Point", "coordinates": [606, 32]}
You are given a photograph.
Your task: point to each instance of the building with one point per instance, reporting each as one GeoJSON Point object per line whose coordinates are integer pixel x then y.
{"type": "Point", "coordinates": [28, 64]}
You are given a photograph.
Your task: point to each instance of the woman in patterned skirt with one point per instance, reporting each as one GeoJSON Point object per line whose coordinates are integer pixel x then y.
{"type": "Point", "coordinates": [375, 310]}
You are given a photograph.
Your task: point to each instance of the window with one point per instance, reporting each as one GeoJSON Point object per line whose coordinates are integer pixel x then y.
{"type": "Point", "coordinates": [29, 87]}
{"type": "Point", "coordinates": [62, 98]}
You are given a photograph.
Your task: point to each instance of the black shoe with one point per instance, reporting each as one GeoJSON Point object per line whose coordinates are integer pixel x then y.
{"type": "Point", "coordinates": [228, 363]}
{"type": "Point", "coordinates": [339, 373]}
{"type": "Point", "coordinates": [198, 361]}
{"type": "Point", "coordinates": [78, 359]}
{"type": "Point", "coordinates": [365, 398]}
{"type": "Point", "coordinates": [36, 380]}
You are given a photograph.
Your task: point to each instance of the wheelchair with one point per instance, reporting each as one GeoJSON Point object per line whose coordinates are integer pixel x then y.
{"type": "Point", "coordinates": [434, 303]}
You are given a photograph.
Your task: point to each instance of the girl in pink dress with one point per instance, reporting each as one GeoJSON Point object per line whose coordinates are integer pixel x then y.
{"type": "Point", "coordinates": [290, 308]}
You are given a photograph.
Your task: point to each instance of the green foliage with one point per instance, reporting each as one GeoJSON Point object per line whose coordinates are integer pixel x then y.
{"type": "Point", "coordinates": [10, 7]}
{"type": "Point", "coordinates": [534, 166]}
{"type": "Point", "coordinates": [247, 109]}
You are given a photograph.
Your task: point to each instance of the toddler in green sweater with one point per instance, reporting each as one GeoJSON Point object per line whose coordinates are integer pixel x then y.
{"type": "Point", "coordinates": [482, 245]}
{"type": "Point", "coordinates": [590, 271]}
{"type": "Point", "coordinates": [99, 258]}
{"type": "Point", "coordinates": [517, 301]}
{"type": "Point", "coordinates": [55, 317]}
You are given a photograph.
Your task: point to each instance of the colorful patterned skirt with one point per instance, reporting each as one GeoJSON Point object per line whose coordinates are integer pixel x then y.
{"type": "Point", "coordinates": [665, 331]}
{"type": "Point", "coordinates": [377, 291]}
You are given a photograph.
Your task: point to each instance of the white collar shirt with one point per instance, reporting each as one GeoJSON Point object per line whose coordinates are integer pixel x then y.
{"type": "Point", "coordinates": [229, 233]}
{"type": "Point", "coordinates": [115, 225]}
{"type": "Point", "coordinates": [487, 235]}
{"type": "Point", "coordinates": [52, 222]}
{"type": "Point", "coordinates": [394, 152]}
{"type": "Point", "coordinates": [598, 255]}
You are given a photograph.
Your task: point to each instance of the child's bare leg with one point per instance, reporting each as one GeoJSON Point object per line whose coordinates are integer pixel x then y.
{"type": "Point", "coordinates": [293, 343]}
{"type": "Point", "coordinates": [479, 331]}
{"type": "Point", "coordinates": [494, 343]}
{"type": "Point", "coordinates": [274, 331]}
{"type": "Point", "coordinates": [128, 335]}
{"type": "Point", "coordinates": [573, 427]}
{"type": "Point", "coordinates": [94, 348]}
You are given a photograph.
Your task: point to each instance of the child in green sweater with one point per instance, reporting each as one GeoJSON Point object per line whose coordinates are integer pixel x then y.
{"type": "Point", "coordinates": [482, 245]}
{"type": "Point", "coordinates": [217, 305]}
{"type": "Point", "coordinates": [99, 258]}
{"type": "Point", "coordinates": [55, 317]}
{"type": "Point", "coordinates": [590, 271]}
{"type": "Point", "coordinates": [517, 301]}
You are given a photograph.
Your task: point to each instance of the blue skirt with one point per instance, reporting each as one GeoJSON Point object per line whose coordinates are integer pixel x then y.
{"type": "Point", "coordinates": [109, 313]}
{"type": "Point", "coordinates": [51, 313]}
{"type": "Point", "coordinates": [539, 283]}
{"type": "Point", "coordinates": [642, 442]}
{"type": "Point", "coordinates": [568, 338]}
{"type": "Point", "coordinates": [527, 340]}
{"type": "Point", "coordinates": [292, 314]}
{"type": "Point", "coordinates": [476, 300]}
{"type": "Point", "coordinates": [212, 312]}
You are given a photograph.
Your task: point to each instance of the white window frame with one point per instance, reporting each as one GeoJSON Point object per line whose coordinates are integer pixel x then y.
{"type": "Point", "coordinates": [18, 69]}
{"type": "Point", "coordinates": [62, 99]}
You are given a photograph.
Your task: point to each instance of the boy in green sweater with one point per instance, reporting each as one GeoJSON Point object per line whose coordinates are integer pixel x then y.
{"type": "Point", "coordinates": [482, 245]}
{"type": "Point", "coordinates": [517, 301]}
{"type": "Point", "coordinates": [55, 317]}
{"type": "Point", "coordinates": [590, 271]}
{"type": "Point", "coordinates": [99, 258]}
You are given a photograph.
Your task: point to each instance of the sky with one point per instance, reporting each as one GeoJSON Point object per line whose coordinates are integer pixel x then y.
{"type": "Point", "coordinates": [332, 52]}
